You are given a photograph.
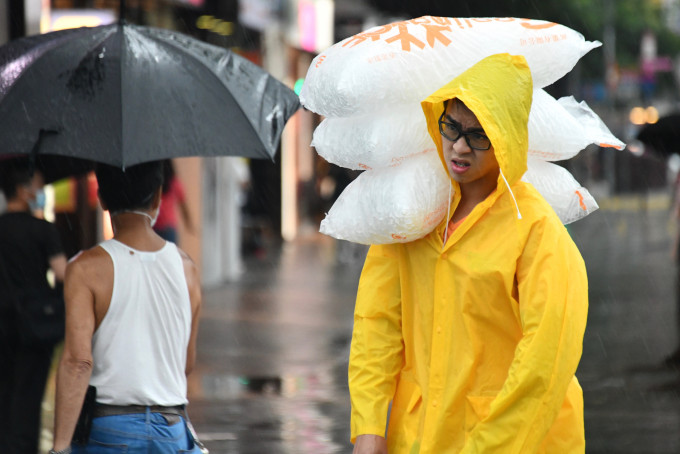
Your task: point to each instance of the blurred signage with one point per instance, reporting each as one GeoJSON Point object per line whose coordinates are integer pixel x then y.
{"type": "Point", "coordinates": [192, 4]}
{"type": "Point", "coordinates": [65, 196]}
{"type": "Point", "coordinates": [258, 14]}
{"type": "Point", "coordinates": [61, 19]}
{"type": "Point", "coordinates": [310, 24]}
{"type": "Point", "coordinates": [215, 25]}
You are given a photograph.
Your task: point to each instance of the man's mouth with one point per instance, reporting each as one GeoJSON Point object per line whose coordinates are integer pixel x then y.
{"type": "Point", "coordinates": [459, 167]}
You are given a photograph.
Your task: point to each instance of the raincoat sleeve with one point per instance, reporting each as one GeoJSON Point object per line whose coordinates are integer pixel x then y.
{"type": "Point", "coordinates": [553, 304]}
{"type": "Point", "coordinates": [376, 355]}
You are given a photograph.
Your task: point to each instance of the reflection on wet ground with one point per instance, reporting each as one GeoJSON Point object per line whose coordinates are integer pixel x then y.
{"type": "Point", "coordinates": [272, 364]}
{"type": "Point", "coordinates": [632, 400]}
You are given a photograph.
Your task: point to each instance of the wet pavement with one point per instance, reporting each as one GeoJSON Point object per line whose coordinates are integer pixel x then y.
{"type": "Point", "coordinates": [272, 353]}
{"type": "Point", "coordinates": [632, 401]}
{"type": "Point", "coordinates": [273, 347]}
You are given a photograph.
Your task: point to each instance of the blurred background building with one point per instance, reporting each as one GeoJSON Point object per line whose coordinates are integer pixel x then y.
{"type": "Point", "coordinates": [241, 206]}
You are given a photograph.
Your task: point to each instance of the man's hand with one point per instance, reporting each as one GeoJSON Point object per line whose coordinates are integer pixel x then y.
{"type": "Point", "coordinates": [370, 444]}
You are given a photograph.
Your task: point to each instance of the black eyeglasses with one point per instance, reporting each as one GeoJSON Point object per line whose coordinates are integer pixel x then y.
{"type": "Point", "coordinates": [475, 140]}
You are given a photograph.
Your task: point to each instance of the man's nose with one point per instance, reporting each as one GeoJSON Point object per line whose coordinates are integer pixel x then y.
{"type": "Point", "coordinates": [461, 145]}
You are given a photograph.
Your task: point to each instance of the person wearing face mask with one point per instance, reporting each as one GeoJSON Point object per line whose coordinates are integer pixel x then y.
{"type": "Point", "coordinates": [29, 247]}
{"type": "Point", "coordinates": [132, 310]}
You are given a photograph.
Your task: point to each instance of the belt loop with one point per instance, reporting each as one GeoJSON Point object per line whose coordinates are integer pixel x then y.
{"type": "Point", "coordinates": [148, 415]}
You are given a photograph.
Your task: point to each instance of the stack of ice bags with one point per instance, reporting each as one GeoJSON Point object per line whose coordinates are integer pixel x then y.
{"type": "Point", "coordinates": [369, 88]}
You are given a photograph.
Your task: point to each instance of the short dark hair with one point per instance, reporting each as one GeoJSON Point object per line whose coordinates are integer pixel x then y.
{"type": "Point", "coordinates": [129, 189]}
{"type": "Point", "coordinates": [15, 172]}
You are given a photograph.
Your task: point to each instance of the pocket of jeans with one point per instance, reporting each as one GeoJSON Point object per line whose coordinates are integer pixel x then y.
{"type": "Point", "coordinates": [195, 446]}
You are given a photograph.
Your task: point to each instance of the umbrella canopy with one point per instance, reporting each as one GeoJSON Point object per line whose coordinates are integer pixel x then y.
{"type": "Point", "coordinates": [662, 136]}
{"type": "Point", "coordinates": [123, 94]}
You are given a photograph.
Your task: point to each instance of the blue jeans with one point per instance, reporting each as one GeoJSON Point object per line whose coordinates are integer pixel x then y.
{"type": "Point", "coordinates": [138, 433]}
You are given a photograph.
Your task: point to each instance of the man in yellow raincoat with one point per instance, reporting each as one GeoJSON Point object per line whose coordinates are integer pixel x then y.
{"type": "Point", "coordinates": [474, 332]}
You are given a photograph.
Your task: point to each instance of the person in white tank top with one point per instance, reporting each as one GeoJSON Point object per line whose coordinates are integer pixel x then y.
{"type": "Point", "coordinates": [132, 310]}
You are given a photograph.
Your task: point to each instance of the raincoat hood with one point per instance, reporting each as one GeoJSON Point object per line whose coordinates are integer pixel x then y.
{"type": "Point", "coordinates": [498, 90]}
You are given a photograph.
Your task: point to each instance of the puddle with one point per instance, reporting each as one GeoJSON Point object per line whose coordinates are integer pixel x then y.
{"type": "Point", "coordinates": [231, 386]}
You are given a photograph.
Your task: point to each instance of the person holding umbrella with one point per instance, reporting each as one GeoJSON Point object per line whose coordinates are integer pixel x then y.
{"type": "Point", "coordinates": [474, 332]}
{"type": "Point", "coordinates": [132, 311]}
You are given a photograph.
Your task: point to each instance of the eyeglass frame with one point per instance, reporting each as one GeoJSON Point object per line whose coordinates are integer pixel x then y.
{"type": "Point", "coordinates": [461, 133]}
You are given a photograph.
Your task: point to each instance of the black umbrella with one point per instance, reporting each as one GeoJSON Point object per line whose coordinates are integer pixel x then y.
{"type": "Point", "coordinates": [123, 94]}
{"type": "Point", "coordinates": [663, 136]}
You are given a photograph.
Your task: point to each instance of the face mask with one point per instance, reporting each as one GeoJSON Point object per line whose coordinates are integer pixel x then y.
{"type": "Point", "coordinates": [39, 202]}
{"type": "Point", "coordinates": [152, 219]}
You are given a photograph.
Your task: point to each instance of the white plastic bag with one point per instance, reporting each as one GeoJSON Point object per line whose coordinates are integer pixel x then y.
{"type": "Point", "coordinates": [404, 62]}
{"type": "Point", "coordinates": [559, 188]}
{"type": "Point", "coordinates": [374, 140]}
{"type": "Point", "coordinates": [404, 203]}
{"type": "Point", "coordinates": [558, 130]}
{"type": "Point", "coordinates": [391, 205]}
{"type": "Point", "coordinates": [594, 127]}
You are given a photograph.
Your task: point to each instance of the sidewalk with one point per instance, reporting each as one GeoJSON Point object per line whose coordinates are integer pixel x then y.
{"type": "Point", "coordinates": [273, 349]}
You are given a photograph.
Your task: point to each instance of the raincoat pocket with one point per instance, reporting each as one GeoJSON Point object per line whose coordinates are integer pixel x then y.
{"type": "Point", "coordinates": [404, 424]}
{"type": "Point", "coordinates": [476, 410]}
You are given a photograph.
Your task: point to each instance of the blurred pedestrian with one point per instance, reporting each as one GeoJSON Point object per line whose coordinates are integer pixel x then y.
{"type": "Point", "coordinates": [132, 311]}
{"type": "Point", "coordinates": [474, 332]}
{"type": "Point", "coordinates": [29, 247]}
{"type": "Point", "coordinates": [173, 198]}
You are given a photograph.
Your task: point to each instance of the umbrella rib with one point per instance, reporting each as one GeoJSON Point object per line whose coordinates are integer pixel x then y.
{"type": "Point", "coordinates": [217, 77]}
{"type": "Point", "coordinates": [121, 27]}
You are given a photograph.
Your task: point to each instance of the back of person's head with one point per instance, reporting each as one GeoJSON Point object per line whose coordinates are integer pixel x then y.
{"type": "Point", "coordinates": [15, 172]}
{"type": "Point", "coordinates": [129, 189]}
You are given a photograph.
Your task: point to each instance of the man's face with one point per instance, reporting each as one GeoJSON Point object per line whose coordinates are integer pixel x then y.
{"type": "Point", "coordinates": [467, 165]}
{"type": "Point", "coordinates": [29, 191]}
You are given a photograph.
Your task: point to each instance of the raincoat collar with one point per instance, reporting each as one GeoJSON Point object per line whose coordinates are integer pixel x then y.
{"type": "Point", "coordinates": [498, 90]}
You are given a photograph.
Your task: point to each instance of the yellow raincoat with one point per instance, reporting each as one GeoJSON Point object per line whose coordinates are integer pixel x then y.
{"type": "Point", "coordinates": [476, 341]}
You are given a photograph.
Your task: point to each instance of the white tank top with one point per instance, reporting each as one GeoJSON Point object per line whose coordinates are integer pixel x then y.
{"type": "Point", "coordinates": [140, 347]}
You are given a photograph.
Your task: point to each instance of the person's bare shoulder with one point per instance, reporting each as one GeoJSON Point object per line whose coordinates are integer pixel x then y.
{"type": "Point", "coordinates": [92, 267]}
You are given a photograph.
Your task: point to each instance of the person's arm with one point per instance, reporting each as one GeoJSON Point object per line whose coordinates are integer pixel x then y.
{"type": "Point", "coordinates": [370, 444]}
{"type": "Point", "coordinates": [75, 366]}
{"type": "Point", "coordinates": [376, 355]}
{"type": "Point", "coordinates": [553, 305]}
{"type": "Point", "coordinates": [194, 285]}
{"type": "Point", "coordinates": [181, 198]}
{"type": "Point", "coordinates": [186, 216]}
{"type": "Point", "coordinates": [58, 266]}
